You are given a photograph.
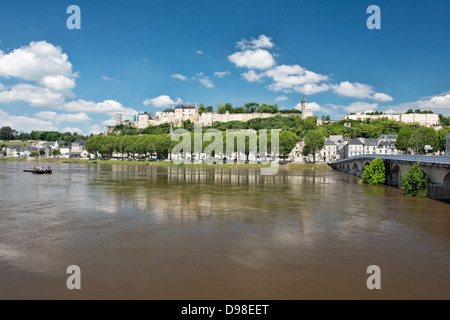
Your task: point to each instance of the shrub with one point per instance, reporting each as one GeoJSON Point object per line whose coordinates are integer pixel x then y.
{"type": "Point", "coordinates": [375, 173]}
{"type": "Point", "coordinates": [413, 182]}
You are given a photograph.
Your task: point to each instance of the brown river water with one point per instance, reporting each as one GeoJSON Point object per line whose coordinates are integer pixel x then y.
{"type": "Point", "coordinates": [142, 232]}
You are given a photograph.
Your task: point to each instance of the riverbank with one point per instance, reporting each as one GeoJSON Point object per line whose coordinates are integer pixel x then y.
{"type": "Point", "coordinates": [288, 166]}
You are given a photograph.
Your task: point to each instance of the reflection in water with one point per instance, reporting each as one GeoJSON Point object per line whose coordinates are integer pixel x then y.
{"type": "Point", "coordinates": [224, 233]}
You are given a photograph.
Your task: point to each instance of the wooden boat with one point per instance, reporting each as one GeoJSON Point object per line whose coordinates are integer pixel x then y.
{"type": "Point", "coordinates": [39, 169]}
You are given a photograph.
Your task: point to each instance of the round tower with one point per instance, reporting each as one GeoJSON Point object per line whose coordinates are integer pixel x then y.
{"type": "Point", "coordinates": [303, 104]}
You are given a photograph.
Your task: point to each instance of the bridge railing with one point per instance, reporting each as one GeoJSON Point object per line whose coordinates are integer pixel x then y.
{"type": "Point", "coordinates": [408, 158]}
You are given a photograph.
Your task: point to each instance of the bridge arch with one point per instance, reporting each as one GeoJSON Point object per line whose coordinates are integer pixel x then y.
{"type": "Point", "coordinates": [355, 169]}
{"type": "Point", "coordinates": [396, 175]}
{"type": "Point", "coordinates": [367, 163]}
{"type": "Point", "coordinates": [446, 180]}
{"type": "Point", "coordinates": [347, 168]}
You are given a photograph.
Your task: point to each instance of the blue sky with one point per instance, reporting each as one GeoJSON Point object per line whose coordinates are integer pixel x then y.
{"type": "Point", "coordinates": [133, 56]}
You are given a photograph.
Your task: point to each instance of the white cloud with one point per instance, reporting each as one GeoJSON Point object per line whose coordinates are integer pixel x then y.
{"type": "Point", "coordinates": [287, 77]}
{"type": "Point", "coordinates": [253, 59]}
{"type": "Point", "coordinates": [161, 101]}
{"type": "Point", "coordinates": [252, 76]}
{"type": "Point", "coordinates": [95, 129]}
{"type": "Point", "coordinates": [36, 61]}
{"type": "Point", "coordinates": [110, 122]}
{"type": "Point", "coordinates": [438, 104]}
{"type": "Point", "coordinates": [44, 64]}
{"type": "Point", "coordinates": [145, 60]}
{"type": "Point", "coordinates": [34, 95]}
{"type": "Point", "coordinates": [262, 42]}
{"type": "Point", "coordinates": [109, 79]}
{"type": "Point", "coordinates": [359, 106]}
{"type": "Point", "coordinates": [178, 76]}
{"type": "Point", "coordinates": [360, 90]}
{"type": "Point", "coordinates": [206, 82]}
{"type": "Point", "coordinates": [312, 88]}
{"type": "Point", "coordinates": [22, 123]}
{"type": "Point", "coordinates": [221, 74]}
{"type": "Point", "coordinates": [281, 98]}
{"type": "Point", "coordinates": [314, 106]}
{"type": "Point", "coordinates": [57, 118]}
{"type": "Point", "coordinates": [382, 97]}
{"type": "Point", "coordinates": [110, 107]}
{"type": "Point", "coordinates": [59, 83]}
{"type": "Point", "coordinates": [199, 52]}
{"type": "Point", "coordinates": [72, 130]}
{"type": "Point", "coordinates": [2, 87]}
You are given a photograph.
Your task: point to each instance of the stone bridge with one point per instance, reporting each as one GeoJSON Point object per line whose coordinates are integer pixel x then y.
{"type": "Point", "coordinates": [437, 169]}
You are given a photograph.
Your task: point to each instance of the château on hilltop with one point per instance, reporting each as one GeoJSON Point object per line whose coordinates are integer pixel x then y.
{"type": "Point", "coordinates": [182, 112]}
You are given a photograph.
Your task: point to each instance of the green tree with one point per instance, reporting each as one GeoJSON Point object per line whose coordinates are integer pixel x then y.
{"type": "Point", "coordinates": [201, 108]}
{"type": "Point", "coordinates": [314, 141]}
{"type": "Point", "coordinates": [6, 133]}
{"type": "Point", "coordinates": [375, 173]}
{"type": "Point", "coordinates": [287, 142]}
{"type": "Point", "coordinates": [56, 152]}
{"type": "Point", "coordinates": [445, 122]}
{"type": "Point", "coordinates": [251, 107]}
{"type": "Point", "coordinates": [413, 182]}
{"type": "Point", "coordinates": [405, 139]}
{"type": "Point", "coordinates": [441, 138]}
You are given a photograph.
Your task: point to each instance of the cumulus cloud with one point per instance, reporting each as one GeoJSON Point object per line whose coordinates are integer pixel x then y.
{"type": "Point", "coordinates": [95, 129]}
{"type": "Point", "coordinates": [34, 95]}
{"type": "Point", "coordinates": [262, 42]}
{"type": "Point", "coordinates": [253, 59]}
{"type": "Point", "coordinates": [68, 117]}
{"type": "Point", "coordinates": [72, 130]}
{"type": "Point", "coordinates": [199, 52]}
{"type": "Point", "coordinates": [22, 123]}
{"type": "Point", "coordinates": [110, 107]}
{"type": "Point", "coordinates": [45, 65]}
{"type": "Point", "coordinates": [252, 76]}
{"type": "Point", "coordinates": [355, 90]}
{"type": "Point", "coordinates": [161, 101]}
{"type": "Point", "coordinates": [314, 106]}
{"type": "Point", "coordinates": [281, 98]}
{"type": "Point", "coordinates": [382, 97]}
{"type": "Point", "coordinates": [312, 88]}
{"type": "Point", "coordinates": [360, 90]}
{"type": "Point", "coordinates": [287, 77]}
{"type": "Point", "coordinates": [178, 76]}
{"type": "Point", "coordinates": [221, 74]}
{"type": "Point", "coordinates": [35, 61]}
{"type": "Point", "coordinates": [359, 106]}
{"type": "Point", "coordinates": [437, 103]}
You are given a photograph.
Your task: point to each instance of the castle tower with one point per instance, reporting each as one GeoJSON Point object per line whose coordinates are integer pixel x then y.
{"type": "Point", "coordinates": [303, 103]}
{"type": "Point", "coordinates": [118, 119]}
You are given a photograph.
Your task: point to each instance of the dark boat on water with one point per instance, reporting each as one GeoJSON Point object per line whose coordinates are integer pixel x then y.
{"type": "Point", "coordinates": [39, 170]}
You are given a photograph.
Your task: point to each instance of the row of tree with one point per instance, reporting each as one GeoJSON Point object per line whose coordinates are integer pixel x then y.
{"type": "Point", "coordinates": [249, 107]}
{"type": "Point", "coordinates": [162, 144]}
{"type": "Point", "coordinates": [7, 133]}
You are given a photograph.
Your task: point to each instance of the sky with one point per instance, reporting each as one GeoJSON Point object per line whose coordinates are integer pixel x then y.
{"type": "Point", "coordinates": [135, 56]}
